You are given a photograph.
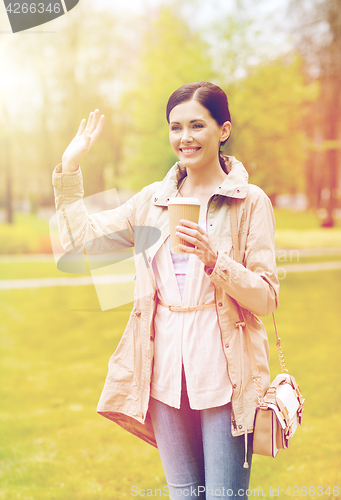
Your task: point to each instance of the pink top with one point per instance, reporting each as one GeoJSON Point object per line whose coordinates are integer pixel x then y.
{"type": "Point", "coordinates": [191, 339]}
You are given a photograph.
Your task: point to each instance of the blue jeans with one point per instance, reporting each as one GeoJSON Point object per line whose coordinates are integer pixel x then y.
{"type": "Point", "coordinates": [199, 455]}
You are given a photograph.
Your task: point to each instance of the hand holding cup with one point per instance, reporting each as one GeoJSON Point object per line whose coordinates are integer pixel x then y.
{"type": "Point", "coordinates": [197, 242]}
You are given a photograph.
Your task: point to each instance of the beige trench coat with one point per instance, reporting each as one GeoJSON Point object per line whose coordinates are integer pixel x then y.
{"type": "Point", "coordinates": [253, 284]}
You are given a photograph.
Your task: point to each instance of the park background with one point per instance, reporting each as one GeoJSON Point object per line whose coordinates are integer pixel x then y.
{"type": "Point", "coordinates": [279, 63]}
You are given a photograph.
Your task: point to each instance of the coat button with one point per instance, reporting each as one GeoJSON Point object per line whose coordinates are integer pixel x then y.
{"type": "Point", "coordinates": [234, 386]}
{"type": "Point", "coordinates": [167, 199]}
{"type": "Point", "coordinates": [155, 199]}
{"type": "Point", "coordinates": [227, 345]}
{"type": "Point", "coordinates": [152, 339]}
{"type": "Point", "coordinates": [220, 304]}
{"type": "Point", "coordinates": [238, 190]}
{"type": "Point", "coordinates": [240, 426]}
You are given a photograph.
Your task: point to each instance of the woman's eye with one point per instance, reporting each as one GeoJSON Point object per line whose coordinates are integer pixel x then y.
{"type": "Point", "coordinates": [198, 125]}
{"type": "Point", "coordinates": [175, 128]}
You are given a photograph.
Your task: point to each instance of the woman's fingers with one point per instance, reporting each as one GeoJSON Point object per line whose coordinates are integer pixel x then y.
{"type": "Point", "coordinates": [190, 239]}
{"type": "Point", "coordinates": [94, 121]}
{"type": "Point", "coordinates": [88, 125]}
{"type": "Point", "coordinates": [194, 233]}
{"type": "Point", "coordinates": [192, 226]}
{"type": "Point", "coordinates": [93, 127]}
{"type": "Point", "coordinates": [203, 248]}
{"type": "Point", "coordinates": [81, 127]}
{"type": "Point", "coordinates": [98, 128]}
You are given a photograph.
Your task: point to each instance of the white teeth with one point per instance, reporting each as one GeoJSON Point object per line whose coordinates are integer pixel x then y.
{"type": "Point", "coordinates": [189, 150]}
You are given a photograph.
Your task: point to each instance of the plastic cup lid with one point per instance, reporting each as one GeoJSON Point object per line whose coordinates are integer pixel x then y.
{"type": "Point", "coordinates": [183, 201]}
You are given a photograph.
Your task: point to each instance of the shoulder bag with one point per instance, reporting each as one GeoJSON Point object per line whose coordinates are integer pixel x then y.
{"type": "Point", "coordinates": [279, 411]}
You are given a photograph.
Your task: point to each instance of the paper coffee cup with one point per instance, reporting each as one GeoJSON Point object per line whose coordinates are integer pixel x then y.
{"type": "Point", "coordinates": [181, 208]}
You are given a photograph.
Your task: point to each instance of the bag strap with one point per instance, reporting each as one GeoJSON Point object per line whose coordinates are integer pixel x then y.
{"type": "Point", "coordinates": [254, 368]}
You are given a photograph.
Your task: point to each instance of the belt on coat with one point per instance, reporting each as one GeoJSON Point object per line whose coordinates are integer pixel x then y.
{"type": "Point", "coordinates": [187, 308]}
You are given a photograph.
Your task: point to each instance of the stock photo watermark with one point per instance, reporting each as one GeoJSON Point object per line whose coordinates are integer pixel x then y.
{"type": "Point", "coordinates": [272, 491]}
{"type": "Point", "coordinates": [111, 257]}
{"type": "Point", "coordinates": [284, 257]}
{"type": "Point", "coordinates": [24, 15]}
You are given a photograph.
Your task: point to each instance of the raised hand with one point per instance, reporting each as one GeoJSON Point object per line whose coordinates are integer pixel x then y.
{"type": "Point", "coordinates": [82, 142]}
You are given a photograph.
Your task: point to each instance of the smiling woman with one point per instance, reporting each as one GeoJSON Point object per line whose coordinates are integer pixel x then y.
{"type": "Point", "coordinates": [180, 378]}
{"type": "Point", "coordinates": [197, 132]}
{"type": "Point", "coordinates": [210, 106]}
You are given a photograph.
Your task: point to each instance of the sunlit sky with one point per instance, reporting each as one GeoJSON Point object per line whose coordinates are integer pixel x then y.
{"type": "Point", "coordinates": [208, 10]}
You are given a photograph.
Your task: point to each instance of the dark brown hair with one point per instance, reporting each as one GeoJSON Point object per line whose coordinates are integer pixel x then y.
{"type": "Point", "coordinates": [212, 97]}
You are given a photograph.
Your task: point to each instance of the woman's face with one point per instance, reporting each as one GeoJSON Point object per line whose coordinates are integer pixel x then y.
{"type": "Point", "coordinates": [195, 136]}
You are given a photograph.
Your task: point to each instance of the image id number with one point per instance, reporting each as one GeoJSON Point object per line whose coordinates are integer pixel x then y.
{"type": "Point", "coordinates": [304, 491]}
{"type": "Point", "coordinates": [33, 7]}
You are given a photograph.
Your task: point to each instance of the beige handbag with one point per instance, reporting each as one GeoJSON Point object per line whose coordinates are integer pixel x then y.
{"type": "Point", "coordinates": [280, 410]}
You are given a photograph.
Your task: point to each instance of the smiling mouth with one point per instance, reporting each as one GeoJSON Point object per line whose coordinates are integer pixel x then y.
{"type": "Point", "coordinates": [189, 151]}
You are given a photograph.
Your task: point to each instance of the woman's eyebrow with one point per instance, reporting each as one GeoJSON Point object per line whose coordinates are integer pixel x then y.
{"type": "Point", "coordinates": [192, 121]}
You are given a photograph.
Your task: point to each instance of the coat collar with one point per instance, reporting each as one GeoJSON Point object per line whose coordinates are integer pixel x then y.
{"type": "Point", "coordinates": [234, 186]}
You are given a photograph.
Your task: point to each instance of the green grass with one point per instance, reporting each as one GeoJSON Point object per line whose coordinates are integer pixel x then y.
{"type": "Point", "coordinates": [33, 270]}
{"type": "Point", "coordinates": [55, 346]}
{"type": "Point", "coordinates": [299, 220]}
{"type": "Point", "coordinates": [314, 238]}
{"type": "Point", "coordinates": [28, 234]}
{"type": "Point", "coordinates": [302, 230]}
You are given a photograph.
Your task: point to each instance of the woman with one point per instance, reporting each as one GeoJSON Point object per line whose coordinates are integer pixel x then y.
{"type": "Point", "coordinates": [180, 377]}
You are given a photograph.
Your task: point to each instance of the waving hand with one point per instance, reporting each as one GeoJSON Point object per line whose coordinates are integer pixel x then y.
{"type": "Point", "coordinates": [82, 142]}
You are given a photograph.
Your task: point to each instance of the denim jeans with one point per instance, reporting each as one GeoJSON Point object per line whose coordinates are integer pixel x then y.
{"type": "Point", "coordinates": [199, 455]}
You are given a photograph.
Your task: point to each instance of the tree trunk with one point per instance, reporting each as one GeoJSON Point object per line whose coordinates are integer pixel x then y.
{"type": "Point", "coordinates": [7, 155]}
{"type": "Point", "coordinates": [332, 153]}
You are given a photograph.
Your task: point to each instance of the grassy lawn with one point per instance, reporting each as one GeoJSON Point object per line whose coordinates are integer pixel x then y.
{"type": "Point", "coordinates": [292, 219]}
{"type": "Point", "coordinates": [55, 347]}
{"type": "Point", "coordinates": [312, 238]}
{"type": "Point", "coordinates": [32, 270]}
{"type": "Point", "coordinates": [28, 234]}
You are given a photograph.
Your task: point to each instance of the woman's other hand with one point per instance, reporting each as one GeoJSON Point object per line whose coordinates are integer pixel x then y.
{"type": "Point", "coordinates": [193, 233]}
{"type": "Point", "coordinates": [82, 142]}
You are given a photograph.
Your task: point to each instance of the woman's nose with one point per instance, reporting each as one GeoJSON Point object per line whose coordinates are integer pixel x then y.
{"type": "Point", "coordinates": [186, 135]}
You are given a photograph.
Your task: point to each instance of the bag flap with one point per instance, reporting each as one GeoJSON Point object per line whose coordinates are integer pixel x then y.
{"type": "Point", "coordinates": [285, 394]}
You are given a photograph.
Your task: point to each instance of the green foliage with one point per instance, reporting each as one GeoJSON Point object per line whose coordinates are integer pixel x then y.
{"type": "Point", "coordinates": [171, 55]}
{"type": "Point", "coordinates": [128, 68]}
{"type": "Point", "coordinates": [267, 116]}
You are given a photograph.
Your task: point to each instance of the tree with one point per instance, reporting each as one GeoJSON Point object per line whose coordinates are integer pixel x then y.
{"type": "Point", "coordinates": [267, 113]}
{"type": "Point", "coordinates": [6, 137]}
{"type": "Point", "coordinates": [319, 41]}
{"type": "Point", "coordinates": [58, 83]}
{"type": "Point", "coordinates": [171, 55]}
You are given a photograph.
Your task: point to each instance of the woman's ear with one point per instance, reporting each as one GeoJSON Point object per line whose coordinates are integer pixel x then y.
{"type": "Point", "coordinates": [225, 131]}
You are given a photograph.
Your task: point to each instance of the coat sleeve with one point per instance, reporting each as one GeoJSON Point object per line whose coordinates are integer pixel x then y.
{"type": "Point", "coordinates": [77, 228]}
{"type": "Point", "coordinates": [254, 283]}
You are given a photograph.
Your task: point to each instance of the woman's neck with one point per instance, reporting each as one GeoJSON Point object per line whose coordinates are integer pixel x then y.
{"type": "Point", "coordinates": [203, 180]}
